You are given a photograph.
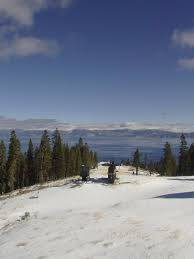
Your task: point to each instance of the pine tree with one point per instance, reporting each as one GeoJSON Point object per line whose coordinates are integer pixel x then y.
{"type": "Point", "coordinates": [66, 152]}
{"type": "Point", "coordinates": [82, 147]}
{"type": "Point", "coordinates": [183, 157]}
{"type": "Point", "coordinates": [58, 166]}
{"type": "Point", "coordinates": [25, 169]}
{"type": "Point", "coordinates": [91, 159]}
{"type": "Point", "coordinates": [191, 159]}
{"type": "Point", "coordinates": [136, 160]}
{"type": "Point", "coordinates": [22, 168]}
{"type": "Point", "coordinates": [78, 160]}
{"type": "Point", "coordinates": [168, 162]}
{"type": "Point", "coordinates": [36, 165]}
{"type": "Point", "coordinates": [72, 162]}
{"type": "Point", "coordinates": [30, 167]}
{"type": "Point", "coordinates": [44, 159]}
{"type": "Point", "coordinates": [13, 163]}
{"type": "Point", "coordinates": [81, 143]}
{"type": "Point", "coordinates": [85, 155]}
{"type": "Point", "coordinates": [3, 173]}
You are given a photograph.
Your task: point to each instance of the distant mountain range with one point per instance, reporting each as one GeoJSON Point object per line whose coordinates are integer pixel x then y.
{"type": "Point", "coordinates": [50, 124]}
{"type": "Point", "coordinates": [111, 141]}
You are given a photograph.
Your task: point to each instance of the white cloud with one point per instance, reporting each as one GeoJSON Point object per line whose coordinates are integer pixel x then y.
{"type": "Point", "coordinates": [27, 46]}
{"type": "Point", "coordinates": [184, 38]}
{"type": "Point", "coordinates": [23, 11]}
{"type": "Point", "coordinates": [17, 14]}
{"type": "Point", "coordinates": [186, 63]}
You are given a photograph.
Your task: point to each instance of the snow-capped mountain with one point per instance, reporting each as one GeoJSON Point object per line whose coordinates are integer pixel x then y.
{"type": "Point", "coordinates": [51, 124]}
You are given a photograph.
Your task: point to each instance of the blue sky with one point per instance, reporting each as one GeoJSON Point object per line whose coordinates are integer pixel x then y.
{"type": "Point", "coordinates": [97, 60]}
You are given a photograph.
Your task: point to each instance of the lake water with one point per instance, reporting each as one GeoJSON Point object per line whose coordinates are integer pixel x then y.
{"type": "Point", "coordinates": [111, 145]}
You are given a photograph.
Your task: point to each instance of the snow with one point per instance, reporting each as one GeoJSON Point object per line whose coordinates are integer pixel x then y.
{"type": "Point", "coordinates": [139, 217]}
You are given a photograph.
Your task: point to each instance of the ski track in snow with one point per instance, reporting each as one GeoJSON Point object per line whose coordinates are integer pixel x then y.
{"type": "Point", "coordinates": [142, 217]}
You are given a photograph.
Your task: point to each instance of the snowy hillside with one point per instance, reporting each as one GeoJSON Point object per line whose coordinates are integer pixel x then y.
{"type": "Point", "coordinates": [139, 217]}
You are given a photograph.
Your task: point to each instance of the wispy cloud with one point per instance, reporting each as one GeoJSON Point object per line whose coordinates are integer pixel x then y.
{"type": "Point", "coordinates": [23, 11]}
{"type": "Point", "coordinates": [186, 64]}
{"type": "Point", "coordinates": [28, 46]}
{"type": "Point", "coordinates": [15, 15]}
{"type": "Point", "coordinates": [20, 11]}
{"type": "Point", "coordinates": [184, 38]}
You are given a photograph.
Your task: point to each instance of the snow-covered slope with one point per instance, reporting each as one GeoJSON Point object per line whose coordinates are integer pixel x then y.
{"type": "Point", "coordinates": [139, 217]}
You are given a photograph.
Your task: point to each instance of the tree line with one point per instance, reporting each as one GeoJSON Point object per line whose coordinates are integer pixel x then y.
{"type": "Point", "coordinates": [51, 160]}
{"type": "Point", "coordinates": [169, 165]}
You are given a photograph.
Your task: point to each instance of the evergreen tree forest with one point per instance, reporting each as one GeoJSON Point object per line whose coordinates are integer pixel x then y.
{"type": "Point", "coordinates": [168, 162]}
{"type": "Point", "coordinates": [170, 166]}
{"type": "Point", "coordinates": [51, 160]}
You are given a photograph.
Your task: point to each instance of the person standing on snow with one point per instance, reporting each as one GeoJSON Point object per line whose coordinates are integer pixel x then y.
{"type": "Point", "coordinates": [111, 173]}
{"type": "Point", "coordinates": [84, 173]}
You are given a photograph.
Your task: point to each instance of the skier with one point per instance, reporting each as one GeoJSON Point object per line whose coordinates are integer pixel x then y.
{"type": "Point", "coordinates": [111, 173]}
{"type": "Point", "coordinates": [84, 173]}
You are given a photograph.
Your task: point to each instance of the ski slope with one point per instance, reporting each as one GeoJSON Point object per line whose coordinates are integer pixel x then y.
{"type": "Point", "coordinates": [139, 217]}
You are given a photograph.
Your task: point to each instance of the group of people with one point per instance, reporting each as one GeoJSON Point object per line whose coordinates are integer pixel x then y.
{"type": "Point", "coordinates": [85, 173]}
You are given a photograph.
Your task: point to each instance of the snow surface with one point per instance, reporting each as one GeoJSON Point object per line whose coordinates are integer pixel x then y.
{"type": "Point", "coordinates": [139, 217]}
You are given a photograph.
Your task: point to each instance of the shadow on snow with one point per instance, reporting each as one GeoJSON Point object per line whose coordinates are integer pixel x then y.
{"type": "Point", "coordinates": [181, 179]}
{"type": "Point", "coordinates": [179, 195]}
{"type": "Point", "coordinates": [79, 182]}
{"type": "Point", "coordinates": [101, 180]}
